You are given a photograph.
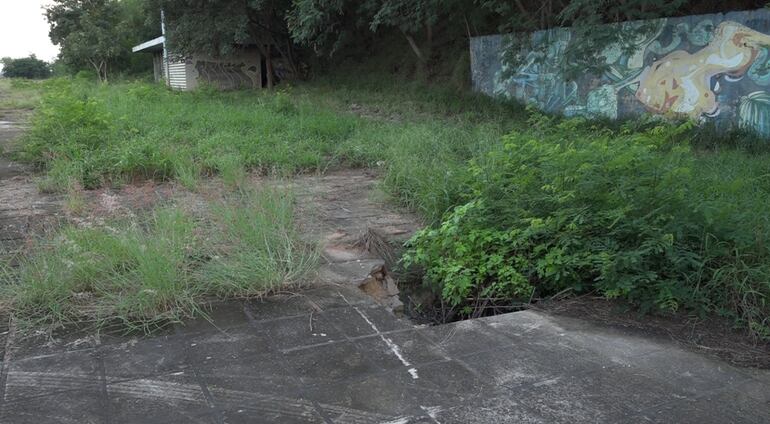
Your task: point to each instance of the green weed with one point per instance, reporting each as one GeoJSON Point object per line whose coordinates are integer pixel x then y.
{"type": "Point", "coordinates": [633, 215]}
{"type": "Point", "coordinates": [159, 269]}
{"type": "Point", "coordinates": [666, 216]}
{"type": "Point", "coordinates": [257, 249]}
{"type": "Point", "coordinates": [103, 134]}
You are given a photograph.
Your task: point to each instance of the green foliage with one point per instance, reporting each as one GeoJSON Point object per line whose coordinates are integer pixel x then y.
{"type": "Point", "coordinates": [99, 134]}
{"type": "Point", "coordinates": [257, 249]}
{"type": "Point", "coordinates": [19, 94]}
{"type": "Point", "coordinates": [158, 269]}
{"type": "Point", "coordinates": [331, 26]}
{"type": "Point", "coordinates": [323, 25]}
{"type": "Point", "coordinates": [632, 215]}
{"type": "Point", "coordinates": [469, 262]}
{"type": "Point", "coordinates": [662, 215]}
{"type": "Point", "coordinates": [28, 67]}
{"type": "Point", "coordinates": [69, 127]}
{"type": "Point", "coordinates": [98, 34]}
{"type": "Point", "coordinates": [151, 132]}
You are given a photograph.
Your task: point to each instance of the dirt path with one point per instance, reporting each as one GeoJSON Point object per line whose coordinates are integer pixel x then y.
{"type": "Point", "coordinates": [23, 209]}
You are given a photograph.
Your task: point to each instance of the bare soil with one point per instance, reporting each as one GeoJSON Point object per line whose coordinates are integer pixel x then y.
{"type": "Point", "coordinates": [23, 209]}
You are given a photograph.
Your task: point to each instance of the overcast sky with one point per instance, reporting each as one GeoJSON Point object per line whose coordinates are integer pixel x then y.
{"type": "Point", "coordinates": [24, 30]}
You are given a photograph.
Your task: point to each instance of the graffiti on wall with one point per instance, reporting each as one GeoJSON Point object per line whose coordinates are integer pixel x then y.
{"type": "Point", "coordinates": [230, 74]}
{"type": "Point", "coordinates": [702, 67]}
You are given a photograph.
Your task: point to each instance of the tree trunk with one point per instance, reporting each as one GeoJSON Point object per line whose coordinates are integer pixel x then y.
{"type": "Point", "coordinates": [99, 67]}
{"type": "Point", "coordinates": [285, 55]}
{"type": "Point", "coordinates": [269, 67]}
{"type": "Point", "coordinates": [414, 46]}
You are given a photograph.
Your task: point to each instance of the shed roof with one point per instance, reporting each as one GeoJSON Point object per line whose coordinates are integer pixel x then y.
{"type": "Point", "coordinates": [153, 45]}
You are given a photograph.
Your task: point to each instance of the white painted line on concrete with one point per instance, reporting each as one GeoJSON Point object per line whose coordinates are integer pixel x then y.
{"type": "Point", "coordinates": [402, 420]}
{"type": "Point", "coordinates": [393, 347]}
{"type": "Point", "coordinates": [432, 412]}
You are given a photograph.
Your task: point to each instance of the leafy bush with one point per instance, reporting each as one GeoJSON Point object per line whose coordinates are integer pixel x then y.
{"type": "Point", "coordinates": [632, 215]}
{"type": "Point", "coordinates": [27, 67]}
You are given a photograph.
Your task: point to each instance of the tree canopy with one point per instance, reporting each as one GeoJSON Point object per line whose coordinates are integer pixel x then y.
{"type": "Point", "coordinates": [97, 34]}
{"type": "Point", "coordinates": [27, 67]}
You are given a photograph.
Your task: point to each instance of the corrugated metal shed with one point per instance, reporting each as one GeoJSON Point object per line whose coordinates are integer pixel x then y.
{"type": "Point", "coordinates": [177, 74]}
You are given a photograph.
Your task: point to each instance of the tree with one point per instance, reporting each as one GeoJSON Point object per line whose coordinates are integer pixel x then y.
{"type": "Point", "coordinates": [326, 25]}
{"type": "Point", "coordinates": [594, 26]}
{"type": "Point", "coordinates": [90, 33]}
{"type": "Point", "coordinates": [218, 27]}
{"type": "Point", "coordinates": [28, 67]}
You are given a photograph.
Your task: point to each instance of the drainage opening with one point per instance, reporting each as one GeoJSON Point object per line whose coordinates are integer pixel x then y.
{"type": "Point", "coordinates": [405, 293]}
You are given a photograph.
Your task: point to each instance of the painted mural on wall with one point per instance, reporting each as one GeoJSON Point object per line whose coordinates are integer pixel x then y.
{"type": "Point", "coordinates": [708, 68]}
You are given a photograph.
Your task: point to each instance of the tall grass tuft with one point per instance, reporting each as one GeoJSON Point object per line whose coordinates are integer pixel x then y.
{"type": "Point", "coordinates": [256, 248]}
{"type": "Point", "coordinates": [148, 272]}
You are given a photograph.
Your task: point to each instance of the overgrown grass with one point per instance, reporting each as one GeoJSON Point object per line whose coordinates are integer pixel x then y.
{"type": "Point", "coordinates": [102, 135]}
{"type": "Point", "coordinates": [16, 94]}
{"type": "Point", "coordinates": [433, 145]}
{"type": "Point", "coordinates": [159, 269]}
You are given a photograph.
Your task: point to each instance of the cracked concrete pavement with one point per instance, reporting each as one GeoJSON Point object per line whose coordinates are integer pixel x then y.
{"type": "Point", "coordinates": [330, 355]}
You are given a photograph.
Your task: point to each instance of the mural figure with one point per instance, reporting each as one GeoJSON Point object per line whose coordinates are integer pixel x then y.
{"type": "Point", "coordinates": [707, 68]}
{"type": "Point", "coordinates": [680, 82]}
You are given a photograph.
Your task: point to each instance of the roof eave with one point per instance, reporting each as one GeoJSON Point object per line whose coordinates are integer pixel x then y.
{"type": "Point", "coordinates": [153, 45]}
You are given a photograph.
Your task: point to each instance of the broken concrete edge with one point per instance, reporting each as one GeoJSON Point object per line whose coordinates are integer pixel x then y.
{"type": "Point", "coordinates": [359, 266]}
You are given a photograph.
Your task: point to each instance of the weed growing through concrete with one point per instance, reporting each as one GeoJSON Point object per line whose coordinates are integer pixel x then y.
{"type": "Point", "coordinates": [151, 271]}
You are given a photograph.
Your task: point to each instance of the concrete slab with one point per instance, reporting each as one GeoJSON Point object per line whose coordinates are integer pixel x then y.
{"type": "Point", "coordinates": [173, 398]}
{"type": "Point", "coordinates": [520, 367]}
{"type": "Point", "coordinates": [353, 272]}
{"type": "Point", "coordinates": [68, 407]}
{"type": "Point", "coordinates": [144, 358]}
{"type": "Point", "coordinates": [50, 374]}
{"type": "Point", "coordinates": [332, 362]}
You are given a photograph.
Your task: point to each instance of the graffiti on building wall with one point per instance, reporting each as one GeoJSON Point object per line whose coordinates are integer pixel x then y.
{"type": "Point", "coordinates": [229, 75]}
{"type": "Point", "coordinates": [705, 68]}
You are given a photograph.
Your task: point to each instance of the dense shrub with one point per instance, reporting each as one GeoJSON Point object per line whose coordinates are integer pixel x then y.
{"type": "Point", "coordinates": [633, 215]}
{"type": "Point", "coordinates": [27, 67]}
{"type": "Point", "coordinates": [69, 127]}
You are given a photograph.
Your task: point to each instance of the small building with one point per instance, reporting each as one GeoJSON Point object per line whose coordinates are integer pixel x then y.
{"type": "Point", "coordinates": [244, 69]}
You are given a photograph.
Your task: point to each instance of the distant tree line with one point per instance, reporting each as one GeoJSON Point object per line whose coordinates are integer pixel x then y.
{"type": "Point", "coordinates": [26, 67]}
{"type": "Point", "coordinates": [98, 34]}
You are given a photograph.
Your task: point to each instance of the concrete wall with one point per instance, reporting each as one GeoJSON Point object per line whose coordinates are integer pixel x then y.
{"type": "Point", "coordinates": [707, 67]}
